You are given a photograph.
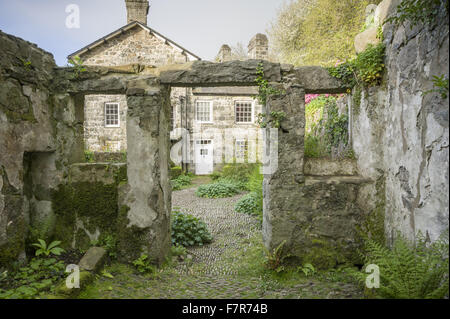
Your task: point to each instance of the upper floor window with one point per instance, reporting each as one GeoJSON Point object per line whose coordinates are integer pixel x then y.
{"type": "Point", "coordinates": [203, 111]}
{"type": "Point", "coordinates": [112, 118]}
{"type": "Point", "coordinates": [243, 112]}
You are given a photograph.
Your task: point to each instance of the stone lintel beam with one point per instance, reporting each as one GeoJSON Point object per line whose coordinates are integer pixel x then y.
{"type": "Point", "coordinates": [209, 74]}
{"type": "Point", "coordinates": [317, 80]}
{"type": "Point", "coordinates": [99, 80]}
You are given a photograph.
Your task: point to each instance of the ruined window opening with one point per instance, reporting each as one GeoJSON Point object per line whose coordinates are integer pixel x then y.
{"type": "Point", "coordinates": [243, 112]}
{"type": "Point", "coordinates": [204, 111]}
{"type": "Point", "coordinates": [112, 118]}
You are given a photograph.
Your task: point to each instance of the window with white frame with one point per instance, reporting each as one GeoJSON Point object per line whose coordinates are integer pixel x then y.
{"type": "Point", "coordinates": [241, 150]}
{"type": "Point", "coordinates": [112, 118]}
{"type": "Point", "coordinates": [243, 112]}
{"type": "Point", "coordinates": [203, 111]}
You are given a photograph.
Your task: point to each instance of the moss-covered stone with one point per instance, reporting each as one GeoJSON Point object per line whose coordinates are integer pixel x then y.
{"type": "Point", "coordinates": [131, 240]}
{"type": "Point", "coordinates": [84, 207]}
{"type": "Point", "coordinates": [86, 278]}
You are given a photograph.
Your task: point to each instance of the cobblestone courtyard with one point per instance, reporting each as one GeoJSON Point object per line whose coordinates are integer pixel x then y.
{"type": "Point", "coordinates": [232, 266]}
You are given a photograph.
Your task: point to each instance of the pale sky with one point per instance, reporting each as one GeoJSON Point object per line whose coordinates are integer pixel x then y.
{"type": "Point", "coordinates": [201, 26]}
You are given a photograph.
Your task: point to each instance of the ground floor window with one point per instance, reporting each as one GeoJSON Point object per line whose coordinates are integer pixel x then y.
{"type": "Point", "coordinates": [241, 150]}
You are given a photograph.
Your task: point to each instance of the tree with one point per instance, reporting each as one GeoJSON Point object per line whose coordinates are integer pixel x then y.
{"type": "Point", "coordinates": [239, 52]}
{"type": "Point", "coordinates": [317, 32]}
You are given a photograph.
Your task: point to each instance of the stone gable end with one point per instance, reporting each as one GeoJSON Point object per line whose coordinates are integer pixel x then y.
{"type": "Point", "coordinates": [134, 46]}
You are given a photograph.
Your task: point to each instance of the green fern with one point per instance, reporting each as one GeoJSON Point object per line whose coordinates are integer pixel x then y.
{"type": "Point", "coordinates": [407, 271]}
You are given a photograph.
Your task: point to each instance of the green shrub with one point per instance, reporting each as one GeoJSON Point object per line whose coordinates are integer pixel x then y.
{"type": "Point", "coordinates": [418, 12]}
{"type": "Point", "coordinates": [188, 230]}
{"type": "Point", "coordinates": [175, 172]}
{"type": "Point", "coordinates": [218, 190]}
{"type": "Point", "coordinates": [180, 182]}
{"type": "Point", "coordinates": [249, 204]}
{"type": "Point", "coordinates": [408, 271]}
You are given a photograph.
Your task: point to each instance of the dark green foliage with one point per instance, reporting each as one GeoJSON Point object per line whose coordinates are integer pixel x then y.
{"type": "Point", "coordinates": [417, 12]}
{"type": "Point", "coordinates": [441, 86]}
{"type": "Point", "coordinates": [248, 204]}
{"type": "Point", "coordinates": [143, 264]}
{"type": "Point", "coordinates": [252, 203]}
{"type": "Point", "coordinates": [109, 243]}
{"type": "Point", "coordinates": [409, 272]}
{"type": "Point", "coordinates": [180, 182]}
{"type": "Point", "coordinates": [328, 131]}
{"type": "Point", "coordinates": [366, 69]}
{"type": "Point", "coordinates": [188, 230]}
{"type": "Point", "coordinates": [39, 276]}
{"type": "Point", "coordinates": [175, 172]}
{"type": "Point", "coordinates": [219, 189]}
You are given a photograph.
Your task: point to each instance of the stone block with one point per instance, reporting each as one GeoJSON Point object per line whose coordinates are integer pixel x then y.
{"type": "Point", "coordinates": [363, 39]}
{"type": "Point", "coordinates": [93, 259]}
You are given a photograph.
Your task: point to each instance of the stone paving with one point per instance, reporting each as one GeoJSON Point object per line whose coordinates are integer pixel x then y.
{"type": "Point", "coordinates": [230, 267]}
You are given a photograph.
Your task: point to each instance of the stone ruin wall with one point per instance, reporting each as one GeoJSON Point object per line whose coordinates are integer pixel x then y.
{"type": "Point", "coordinates": [400, 137]}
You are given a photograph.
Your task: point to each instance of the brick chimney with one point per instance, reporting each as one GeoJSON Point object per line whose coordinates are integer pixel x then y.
{"type": "Point", "coordinates": [258, 48]}
{"type": "Point", "coordinates": [224, 54]}
{"type": "Point", "coordinates": [137, 10]}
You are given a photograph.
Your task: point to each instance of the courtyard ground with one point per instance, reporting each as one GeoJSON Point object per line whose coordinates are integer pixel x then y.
{"type": "Point", "coordinates": [232, 266]}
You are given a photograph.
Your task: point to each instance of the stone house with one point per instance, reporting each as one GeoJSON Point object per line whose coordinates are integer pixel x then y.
{"type": "Point", "coordinates": [211, 125]}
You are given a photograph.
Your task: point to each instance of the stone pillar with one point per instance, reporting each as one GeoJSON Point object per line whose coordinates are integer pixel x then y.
{"type": "Point", "coordinates": [145, 201]}
{"type": "Point", "coordinates": [258, 48]}
{"type": "Point", "coordinates": [282, 188]}
{"type": "Point", "coordinates": [137, 10]}
{"type": "Point", "coordinates": [224, 54]}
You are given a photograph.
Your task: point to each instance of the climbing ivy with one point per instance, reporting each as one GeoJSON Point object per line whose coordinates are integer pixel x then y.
{"type": "Point", "coordinates": [366, 69]}
{"type": "Point", "coordinates": [417, 12]}
{"type": "Point", "coordinates": [264, 91]}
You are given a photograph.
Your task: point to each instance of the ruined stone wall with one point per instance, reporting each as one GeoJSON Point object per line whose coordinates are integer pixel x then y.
{"type": "Point", "coordinates": [401, 137]}
{"type": "Point", "coordinates": [39, 132]}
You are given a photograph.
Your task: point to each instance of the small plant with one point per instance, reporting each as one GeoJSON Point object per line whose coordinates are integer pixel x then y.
{"type": "Point", "coordinates": [188, 230]}
{"type": "Point", "coordinates": [77, 65]}
{"type": "Point", "coordinates": [89, 156]}
{"type": "Point", "coordinates": [178, 250]}
{"type": "Point", "coordinates": [109, 242]}
{"type": "Point", "coordinates": [408, 271]}
{"type": "Point", "coordinates": [274, 259]}
{"type": "Point", "coordinates": [143, 264]}
{"type": "Point", "coordinates": [180, 182]}
{"type": "Point", "coordinates": [26, 63]}
{"type": "Point", "coordinates": [441, 86]}
{"type": "Point", "coordinates": [218, 190]}
{"type": "Point", "coordinates": [52, 248]}
{"type": "Point", "coordinates": [248, 204]}
{"type": "Point", "coordinates": [307, 270]}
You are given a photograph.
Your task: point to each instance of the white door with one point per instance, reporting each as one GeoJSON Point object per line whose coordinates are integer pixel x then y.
{"type": "Point", "coordinates": [203, 157]}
